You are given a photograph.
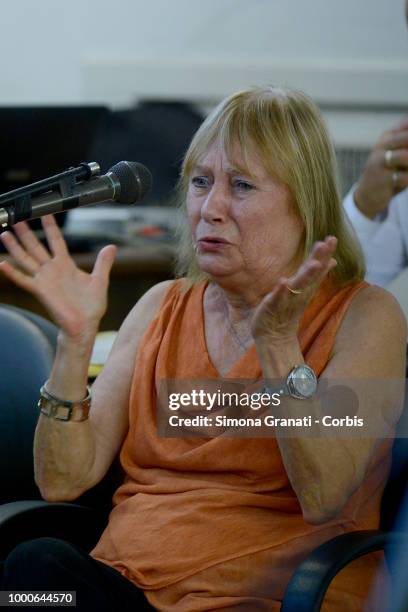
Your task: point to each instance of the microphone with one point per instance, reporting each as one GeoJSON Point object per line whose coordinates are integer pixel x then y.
{"type": "Point", "coordinates": [125, 183]}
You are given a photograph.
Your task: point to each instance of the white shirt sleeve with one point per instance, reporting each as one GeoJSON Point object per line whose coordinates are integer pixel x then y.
{"type": "Point", "coordinates": [383, 239]}
{"type": "Point", "coordinates": [363, 226]}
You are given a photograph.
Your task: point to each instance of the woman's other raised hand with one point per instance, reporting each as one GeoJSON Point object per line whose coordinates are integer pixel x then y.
{"type": "Point", "coordinates": [278, 316]}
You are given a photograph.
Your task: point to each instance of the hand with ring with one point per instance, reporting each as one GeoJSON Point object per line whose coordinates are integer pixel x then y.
{"type": "Point", "coordinates": [277, 317]}
{"type": "Point", "coordinates": [385, 173]}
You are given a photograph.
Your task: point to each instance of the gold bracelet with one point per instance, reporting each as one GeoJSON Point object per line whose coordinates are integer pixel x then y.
{"type": "Point", "coordinates": [63, 410]}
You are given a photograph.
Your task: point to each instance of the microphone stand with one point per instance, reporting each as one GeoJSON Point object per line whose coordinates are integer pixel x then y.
{"type": "Point", "coordinates": [15, 204]}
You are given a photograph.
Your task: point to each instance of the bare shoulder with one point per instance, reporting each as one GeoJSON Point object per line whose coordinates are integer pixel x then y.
{"type": "Point", "coordinates": [374, 329]}
{"type": "Point", "coordinates": [144, 311]}
{"type": "Point", "coordinates": [376, 309]}
{"type": "Point", "coordinates": [134, 326]}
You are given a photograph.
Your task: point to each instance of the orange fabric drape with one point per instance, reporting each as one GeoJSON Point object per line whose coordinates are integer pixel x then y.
{"type": "Point", "coordinates": [211, 523]}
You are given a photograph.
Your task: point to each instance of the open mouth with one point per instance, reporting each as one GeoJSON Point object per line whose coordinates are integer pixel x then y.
{"type": "Point", "coordinates": [211, 240]}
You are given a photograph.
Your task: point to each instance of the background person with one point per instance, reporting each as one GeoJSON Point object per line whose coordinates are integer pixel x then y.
{"type": "Point", "coordinates": [378, 206]}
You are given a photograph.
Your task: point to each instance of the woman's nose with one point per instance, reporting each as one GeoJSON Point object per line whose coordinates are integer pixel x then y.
{"type": "Point", "coordinates": [216, 205]}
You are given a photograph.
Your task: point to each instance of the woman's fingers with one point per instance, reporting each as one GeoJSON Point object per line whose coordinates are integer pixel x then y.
{"type": "Point", "coordinates": [322, 251]}
{"type": "Point", "coordinates": [27, 251]}
{"type": "Point", "coordinates": [54, 236]}
{"type": "Point", "coordinates": [31, 243]}
{"type": "Point", "coordinates": [324, 256]}
{"type": "Point", "coordinates": [316, 266]}
{"type": "Point", "coordinates": [104, 262]}
{"type": "Point", "coordinates": [24, 260]}
{"type": "Point", "coordinates": [17, 277]}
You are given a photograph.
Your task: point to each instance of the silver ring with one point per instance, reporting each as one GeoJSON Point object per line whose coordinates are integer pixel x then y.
{"type": "Point", "coordinates": [395, 180]}
{"type": "Point", "coordinates": [388, 155]}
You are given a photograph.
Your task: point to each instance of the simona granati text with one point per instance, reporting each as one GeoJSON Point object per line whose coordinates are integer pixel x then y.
{"type": "Point", "coordinates": [268, 421]}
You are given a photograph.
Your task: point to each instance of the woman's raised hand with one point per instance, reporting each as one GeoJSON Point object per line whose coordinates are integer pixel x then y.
{"type": "Point", "coordinates": [278, 315]}
{"type": "Point", "coordinates": [75, 299]}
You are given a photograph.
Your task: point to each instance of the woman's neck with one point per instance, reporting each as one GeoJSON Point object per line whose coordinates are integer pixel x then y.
{"type": "Point", "coordinates": [239, 304]}
{"type": "Point", "coordinates": [232, 313]}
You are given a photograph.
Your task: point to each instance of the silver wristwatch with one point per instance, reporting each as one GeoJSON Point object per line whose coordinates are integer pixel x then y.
{"type": "Point", "coordinates": [301, 383]}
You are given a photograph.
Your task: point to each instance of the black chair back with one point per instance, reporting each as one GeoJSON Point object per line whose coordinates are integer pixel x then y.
{"type": "Point", "coordinates": [396, 487]}
{"type": "Point", "coordinates": [26, 357]}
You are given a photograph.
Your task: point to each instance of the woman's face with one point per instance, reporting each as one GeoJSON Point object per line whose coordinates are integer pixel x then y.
{"type": "Point", "coordinates": [245, 228]}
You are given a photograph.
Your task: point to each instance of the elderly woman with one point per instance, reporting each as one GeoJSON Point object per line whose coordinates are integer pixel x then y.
{"type": "Point", "coordinates": [271, 289]}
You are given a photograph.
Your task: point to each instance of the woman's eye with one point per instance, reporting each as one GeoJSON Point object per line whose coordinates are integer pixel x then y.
{"type": "Point", "coordinates": [243, 185]}
{"type": "Point", "coordinates": [199, 181]}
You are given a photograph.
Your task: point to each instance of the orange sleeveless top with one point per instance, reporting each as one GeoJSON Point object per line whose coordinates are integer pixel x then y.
{"type": "Point", "coordinates": [202, 524]}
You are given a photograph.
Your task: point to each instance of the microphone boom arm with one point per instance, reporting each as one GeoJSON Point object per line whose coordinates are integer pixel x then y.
{"type": "Point", "coordinates": [15, 204]}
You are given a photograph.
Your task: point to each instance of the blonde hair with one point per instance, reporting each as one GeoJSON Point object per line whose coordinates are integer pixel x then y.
{"type": "Point", "coordinates": [287, 133]}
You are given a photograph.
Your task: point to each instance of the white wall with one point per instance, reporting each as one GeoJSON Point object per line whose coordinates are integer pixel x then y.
{"type": "Point", "coordinates": [79, 51]}
{"type": "Point", "coordinates": [45, 44]}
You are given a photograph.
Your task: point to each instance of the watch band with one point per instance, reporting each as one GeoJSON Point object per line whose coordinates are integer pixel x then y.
{"type": "Point", "coordinates": [63, 410]}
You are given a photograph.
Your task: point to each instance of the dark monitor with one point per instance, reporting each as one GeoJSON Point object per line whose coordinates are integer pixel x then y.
{"type": "Point", "coordinates": [154, 133]}
{"type": "Point", "coordinates": [39, 141]}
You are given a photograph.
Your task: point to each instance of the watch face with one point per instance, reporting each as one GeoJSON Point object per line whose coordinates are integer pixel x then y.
{"type": "Point", "coordinates": [304, 382]}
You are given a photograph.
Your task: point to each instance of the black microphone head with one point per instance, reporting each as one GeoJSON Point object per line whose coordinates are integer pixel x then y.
{"type": "Point", "coordinates": [135, 181]}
